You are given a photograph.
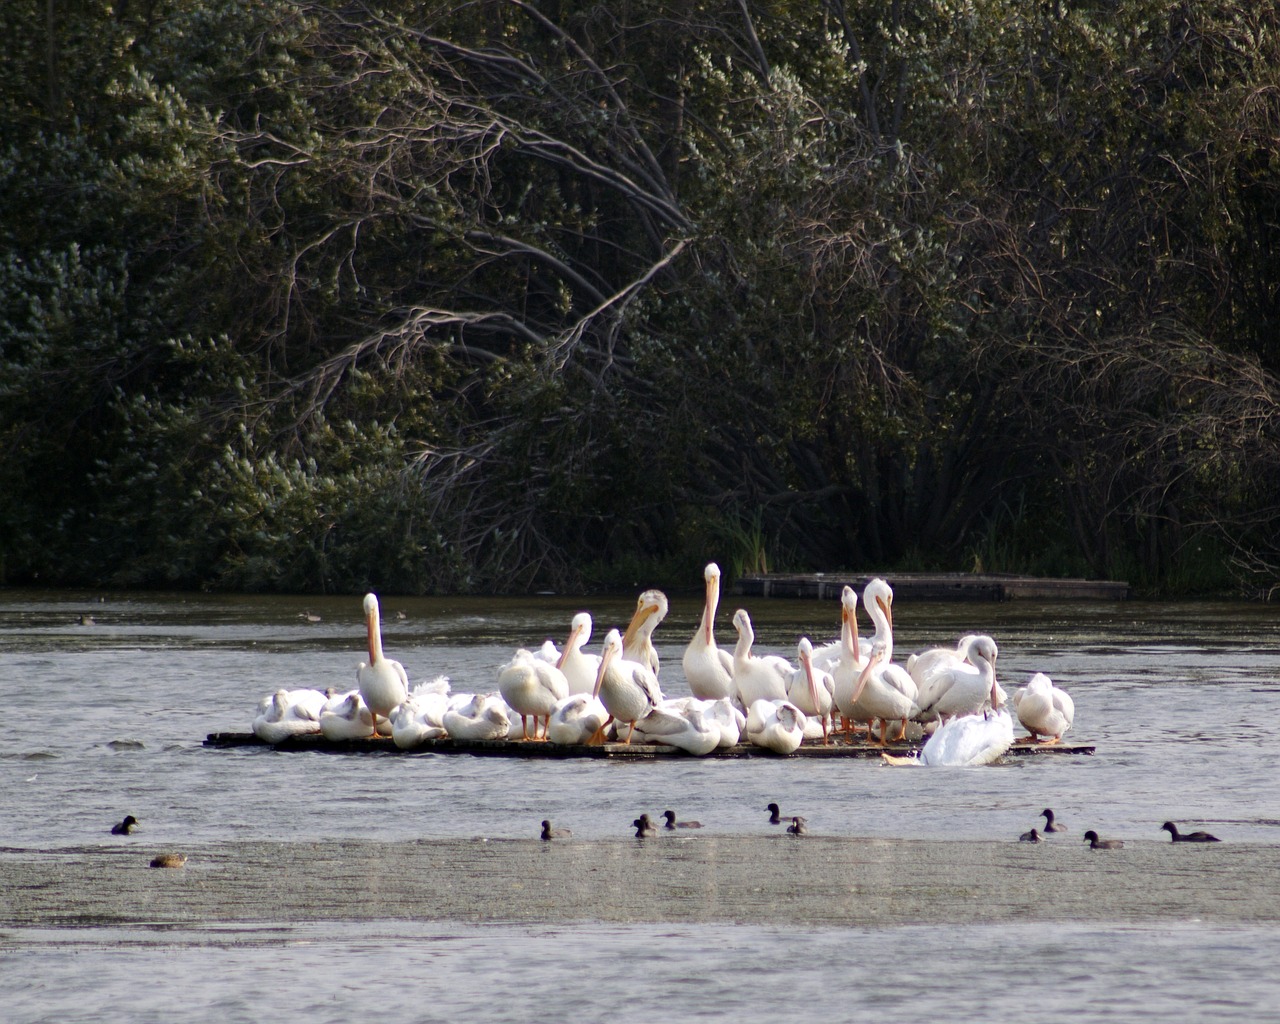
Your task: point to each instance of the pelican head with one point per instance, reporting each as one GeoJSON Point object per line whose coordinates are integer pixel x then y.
{"type": "Point", "coordinates": [611, 649]}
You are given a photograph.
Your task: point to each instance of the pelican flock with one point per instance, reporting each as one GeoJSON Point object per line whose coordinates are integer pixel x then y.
{"type": "Point", "coordinates": [948, 694]}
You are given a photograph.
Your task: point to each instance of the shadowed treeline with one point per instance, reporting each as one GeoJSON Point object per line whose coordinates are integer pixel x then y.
{"type": "Point", "coordinates": [503, 296]}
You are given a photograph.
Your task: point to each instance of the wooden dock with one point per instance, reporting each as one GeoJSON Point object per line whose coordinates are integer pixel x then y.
{"type": "Point", "coordinates": [929, 586]}
{"type": "Point", "coordinates": [839, 748]}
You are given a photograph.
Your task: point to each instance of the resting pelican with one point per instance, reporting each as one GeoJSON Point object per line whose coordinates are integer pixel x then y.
{"type": "Point", "coordinates": [420, 716]}
{"type": "Point", "coordinates": [708, 669]}
{"type": "Point", "coordinates": [885, 691]}
{"type": "Point", "coordinates": [578, 666]}
{"type": "Point", "coordinates": [383, 683]}
{"type": "Point", "coordinates": [1044, 709]}
{"type": "Point", "coordinates": [810, 689]}
{"type": "Point", "coordinates": [966, 689]}
{"type": "Point", "coordinates": [626, 688]}
{"type": "Point", "coordinates": [637, 642]}
{"type": "Point", "coordinates": [532, 688]}
{"type": "Point", "coordinates": [679, 724]}
{"type": "Point", "coordinates": [721, 714]}
{"type": "Point", "coordinates": [576, 719]}
{"type": "Point", "coordinates": [289, 713]}
{"type": "Point", "coordinates": [346, 717]}
{"type": "Point", "coordinates": [756, 677]}
{"type": "Point", "coordinates": [483, 717]}
{"type": "Point", "coordinates": [776, 725]}
{"type": "Point", "coordinates": [964, 741]}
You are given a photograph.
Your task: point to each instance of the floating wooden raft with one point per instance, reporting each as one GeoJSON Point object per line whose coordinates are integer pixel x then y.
{"type": "Point", "coordinates": [618, 751]}
{"type": "Point", "coordinates": [925, 586]}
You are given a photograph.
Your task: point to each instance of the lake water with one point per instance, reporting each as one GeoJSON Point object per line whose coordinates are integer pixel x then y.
{"type": "Point", "coordinates": [108, 719]}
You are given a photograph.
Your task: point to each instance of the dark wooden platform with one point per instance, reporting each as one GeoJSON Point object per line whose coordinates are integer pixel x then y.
{"type": "Point", "coordinates": [923, 586]}
{"type": "Point", "coordinates": [608, 751]}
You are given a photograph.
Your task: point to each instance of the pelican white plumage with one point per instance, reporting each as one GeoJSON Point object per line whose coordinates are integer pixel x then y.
{"type": "Point", "coordinates": [576, 719]}
{"type": "Point", "coordinates": [483, 717]}
{"type": "Point", "coordinates": [579, 667]}
{"type": "Point", "coordinates": [627, 689]}
{"type": "Point", "coordinates": [756, 677]}
{"type": "Point", "coordinates": [708, 669]}
{"type": "Point", "coordinates": [964, 741]}
{"type": "Point", "coordinates": [345, 716]}
{"type": "Point", "coordinates": [532, 688]}
{"type": "Point", "coordinates": [877, 599]}
{"type": "Point", "coordinates": [288, 713]}
{"type": "Point", "coordinates": [1044, 709]}
{"type": "Point", "coordinates": [851, 660]}
{"type": "Point", "coordinates": [637, 642]}
{"type": "Point", "coordinates": [810, 689]}
{"type": "Point", "coordinates": [420, 716]}
{"type": "Point", "coordinates": [927, 666]}
{"type": "Point", "coordinates": [383, 682]}
{"type": "Point", "coordinates": [682, 724]}
{"type": "Point", "coordinates": [776, 725]}
{"type": "Point", "coordinates": [966, 688]}
{"type": "Point", "coordinates": [887, 692]}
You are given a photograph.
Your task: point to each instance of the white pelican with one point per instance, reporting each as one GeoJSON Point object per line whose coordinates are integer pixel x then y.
{"type": "Point", "coordinates": [966, 688]}
{"type": "Point", "coordinates": [383, 682]}
{"type": "Point", "coordinates": [420, 716]}
{"type": "Point", "coordinates": [851, 660]}
{"type": "Point", "coordinates": [576, 719]}
{"type": "Point", "coordinates": [877, 599]}
{"type": "Point", "coordinates": [346, 717]}
{"type": "Point", "coordinates": [885, 691]}
{"type": "Point", "coordinates": [637, 642]}
{"type": "Point", "coordinates": [708, 669]}
{"type": "Point", "coordinates": [579, 667]}
{"type": "Point", "coordinates": [289, 713]}
{"type": "Point", "coordinates": [776, 725]}
{"type": "Point", "coordinates": [731, 722]}
{"type": "Point", "coordinates": [679, 724]}
{"type": "Point", "coordinates": [926, 665]}
{"type": "Point", "coordinates": [1044, 709]}
{"type": "Point", "coordinates": [484, 717]}
{"type": "Point", "coordinates": [964, 741]}
{"type": "Point", "coordinates": [810, 689]}
{"type": "Point", "coordinates": [532, 688]}
{"type": "Point", "coordinates": [626, 688]}
{"type": "Point", "coordinates": [756, 677]}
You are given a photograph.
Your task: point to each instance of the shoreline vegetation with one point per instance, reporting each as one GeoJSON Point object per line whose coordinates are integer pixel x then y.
{"type": "Point", "coordinates": [457, 298]}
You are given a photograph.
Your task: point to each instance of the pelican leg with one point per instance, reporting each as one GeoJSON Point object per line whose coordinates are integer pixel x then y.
{"type": "Point", "coordinates": [902, 732]}
{"type": "Point", "coordinates": [884, 731]}
{"type": "Point", "coordinates": [630, 730]}
{"type": "Point", "coordinates": [1051, 739]}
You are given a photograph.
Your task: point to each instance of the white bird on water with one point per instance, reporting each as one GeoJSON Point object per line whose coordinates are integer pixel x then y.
{"type": "Point", "coordinates": [579, 667]}
{"type": "Point", "coordinates": [708, 669]}
{"type": "Point", "coordinates": [965, 741]}
{"type": "Point", "coordinates": [756, 677]}
{"type": "Point", "coordinates": [383, 682]}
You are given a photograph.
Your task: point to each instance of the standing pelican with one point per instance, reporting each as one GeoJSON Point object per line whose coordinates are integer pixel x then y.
{"type": "Point", "coordinates": [627, 689]}
{"type": "Point", "coordinates": [965, 689]}
{"type": "Point", "coordinates": [637, 642]}
{"type": "Point", "coordinates": [851, 660]}
{"type": "Point", "coordinates": [578, 666]}
{"type": "Point", "coordinates": [532, 689]}
{"type": "Point", "coordinates": [877, 599]}
{"type": "Point", "coordinates": [383, 682]}
{"type": "Point", "coordinates": [756, 677]}
{"type": "Point", "coordinates": [1044, 709]}
{"type": "Point", "coordinates": [886, 691]}
{"type": "Point", "coordinates": [708, 669]}
{"type": "Point", "coordinates": [809, 689]}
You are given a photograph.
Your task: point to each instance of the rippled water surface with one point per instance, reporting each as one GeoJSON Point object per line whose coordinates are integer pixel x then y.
{"type": "Point", "coordinates": [107, 719]}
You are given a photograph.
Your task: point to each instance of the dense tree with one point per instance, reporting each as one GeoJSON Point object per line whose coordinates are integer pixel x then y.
{"type": "Point", "coordinates": [496, 295]}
